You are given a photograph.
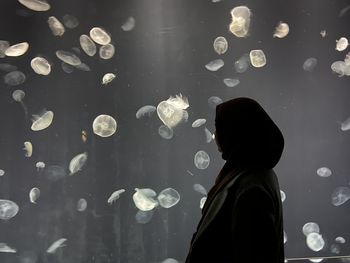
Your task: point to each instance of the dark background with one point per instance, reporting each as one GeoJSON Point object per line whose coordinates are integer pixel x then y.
{"type": "Point", "coordinates": [165, 55]}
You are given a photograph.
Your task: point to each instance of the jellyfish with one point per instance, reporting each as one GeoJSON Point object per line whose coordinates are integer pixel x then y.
{"type": "Point", "coordinates": [55, 172]}
{"type": "Point", "coordinates": [14, 78]}
{"type": "Point", "coordinates": [323, 33]}
{"type": "Point", "coordinates": [340, 195]}
{"type": "Point", "coordinates": [84, 136]}
{"type": "Point", "coordinates": [8, 209]}
{"type": "Point", "coordinates": [70, 21]}
{"type": "Point", "coordinates": [201, 160]}
{"type": "Point", "coordinates": [107, 51]}
{"type": "Point", "coordinates": [340, 240]}
{"type": "Point", "coordinates": [339, 67]}
{"type": "Point", "coordinates": [240, 21]}
{"type": "Point", "coordinates": [67, 68]}
{"type": "Point", "coordinates": [283, 196]}
{"type": "Point", "coordinates": [143, 217]}
{"type": "Point", "coordinates": [34, 195]}
{"type": "Point", "coordinates": [231, 82]}
{"type": "Point", "coordinates": [100, 36]}
{"type": "Point", "coordinates": [2, 172]}
{"type": "Point", "coordinates": [7, 67]}
{"type": "Point", "coordinates": [242, 64]}
{"type": "Point", "coordinates": [129, 24]}
{"type": "Point", "coordinates": [215, 64]}
{"type": "Point", "coordinates": [208, 135]}
{"type": "Point", "coordinates": [202, 202]}
{"type": "Point", "coordinates": [55, 245]}
{"type": "Point", "coordinates": [104, 125]}
{"type": "Point", "coordinates": [165, 132]}
{"type": "Point", "coordinates": [81, 205]}
{"type": "Point", "coordinates": [214, 101]}
{"type": "Point", "coordinates": [77, 163]}
{"type": "Point", "coordinates": [83, 67]}
{"type": "Point", "coordinates": [87, 45]}
{"type": "Point", "coordinates": [68, 57]}
{"type": "Point", "coordinates": [40, 165]}
{"type": "Point", "coordinates": [147, 110]}
{"type": "Point", "coordinates": [310, 64]}
{"type": "Point", "coordinates": [18, 96]}
{"type": "Point", "coordinates": [3, 46]}
{"type": "Point", "coordinates": [257, 58]}
{"type": "Point", "coordinates": [342, 44]}
{"type": "Point", "coordinates": [311, 227]}
{"type": "Point", "coordinates": [324, 172]}
{"type": "Point", "coordinates": [281, 30]}
{"type": "Point", "coordinates": [107, 78]}
{"type": "Point", "coordinates": [17, 49]}
{"type": "Point", "coordinates": [57, 28]}
{"type": "Point", "coordinates": [40, 66]}
{"type": "Point", "coordinates": [4, 248]}
{"type": "Point", "coordinates": [335, 249]}
{"type": "Point", "coordinates": [36, 5]}
{"type": "Point", "coordinates": [42, 121]}
{"type": "Point", "coordinates": [199, 122]}
{"type": "Point", "coordinates": [200, 189]}
{"type": "Point", "coordinates": [220, 45]}
{"type": "Point", "coordinates": [315, 242]}
{"type": "Point", "coordinates": [168, 197]}
{"type": "Point", "coordinates": [172, 111]}
{"type": "Point", "coordinates": [28, 147]}
{"type": "Point", "coordinates": [115, 196]}
{"type": "Point", "coordinates": [144, 199]}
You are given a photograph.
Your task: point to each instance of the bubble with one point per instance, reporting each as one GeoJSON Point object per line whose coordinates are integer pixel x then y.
{"type": "Point", "coordinates": [77, 163]}
{"type": "Point", "coordinates": [68, 57]}
{"type": "Point", "coordinates": [81, 205]}
{"type": "Point", "coordinates": [129, 24]}
{"type": "Point", "coordinates": [214, 101]}
{"type": "Point", "coordinates": [310, 64]}
{"type": "Point", "coordinates": [324, 172]}
{"type": "Point", "coordinates": [36, 5]}
{"type": "Point", "coordinates": [100, 36]}
{"type": "Point", "coordinates": [220, 45]}
{"type": "Point", "coordinates": [168, 197]}
{"type": "Point", "coordinates": [147, 110]}
{"type": "Point", "coordinates": [56, 26]}
{"type": "Point", "coordinates": [107, 78]}
{"type": "Point", "coordinates": [107, 51]}
{"type": "Point", "coordinates": [340, 195]}
{"type": "Point", "coordinates": [144, 199]}
{"type": "Point", "coordinates": [201, 160]}
{"type": "Point", "coordinates": [70, 21]}
{"type": "Point", "coordinates": [17, 49]}
{"type": "Point", "coordinates": [42, 121]}
{"type": "Point", "coordinates": [8, 209]}
{"type": "Point", "coordinates": [199, 122]}
{"type": "Point", "coordinates": [143, 217]}
{"type": "Point", "coordinates": [231, 82]}
{"type": "Point", "coordinates": [342, 44]}
{"type": "Point", "coordinates": [281, 30]}
{"type": "Point", "coordinates": [215, 65]}
{"type": "Point", "coordinates": [311, 227]}
{"type": "Point", "coordinates": [40, 66]}
{"type": "Point", "coordinates": [240, 21]}
{"type": "Point", "coordinates": [315, 241]}
{"type": "Point", "coordinates": [104, 125]}
{"type": "Point", "coordinates": [257, 58]}
{"type": "Point", "coordinates": [14, 78]}
{"type": "Point", "coordinates": [165, 132]}
{"type": "Point", "coordinates": [87, 45]}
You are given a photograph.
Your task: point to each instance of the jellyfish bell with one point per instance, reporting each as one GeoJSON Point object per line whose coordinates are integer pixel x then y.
{"type": "Point", "coordinates": [215, 65]}
{"type": "Point", "coordinates": [281, 30]}
{"type": "Point", "coordinates": [107, 78]}
{"type": "Point", "coordinates": [342, 44]}
{"type": "Point", "coordinates": [17, 49]}
{"type": "Point", "coordinates": [129, 24]}
{"type": "Point", "coordinates": [87, 45]}
{"type": "Point", "coordinates": [240, 21]}
{"type": "Point", "coordinates": [14, 78]}
{"type": "Point", "coordinates": [8, 209]}
{"type": "Point", "coordinates": [107, 51]}
{"type": "Point", "coordinates": [57, 28]}
{"type": "Point", "coordinates": [144, 199]}
{"type": "Point", "coordinates": [40, 66]}
{"type": "Point", "coordinates": [42, 121]}
{"type": "Point", "coordinates": [36, 5]}
{"type": "Point", "coordinates": [220, 45]}
{"type": "Point", "coordinates": [104, 125]}
{"type": "Point", "coordinates": [100, 36]}
{"type": "Point", "coordinates": [257, 58]}
{"type": "Point", "coordinates": [70, 21]}
{"type": "Point", "coordinates": [172, 111]}
{"type": "Point", "coordinates": [18, 95]}
{"type": "Point", "coordinates": [68, 57]}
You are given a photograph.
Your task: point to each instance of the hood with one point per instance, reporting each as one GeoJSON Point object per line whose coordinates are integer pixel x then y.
{"type": "Point", "coordinates": [247, 135]}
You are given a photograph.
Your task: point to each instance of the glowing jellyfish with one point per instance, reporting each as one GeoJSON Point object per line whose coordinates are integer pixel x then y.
{"type": "Point", "coordinates": [107, 78]}
{"type": "Point", "coordinates": [144, 199]}
{"type": "Point", "coordinates": [168, 197]}
{"type": "Point", "coordinates": [70, 21]}
{"type": "Point", "coordinates": [8, 209]}
{"type": "Point", "coordinates": [215, 64]}
{"type": "Point", "coordinates": [214, 101]}
{"type": "Point", "coordinates": [28, 148]}
{"type": "Point", "coordinates": [170, 260]}
{"type": "Point", "coordinates": [201, 160]}
{"type": "Point", "coordinates": [172, 111]}
{"type": "Point", "coordinates": [81, 205]}
{"type": "Point", "coordinates": [68, 57]}
{"type": "Point", "coordinates": [240, 21]}
{"type": "Point", "coordinates": [340, 195]}
{"type": "Point", "coordinates": [199, 122]}
{"type": "Point", "coordinates": [77, 163]}
{"type": "Point", "coordinates": [257, 58]}
{"type": "Point", "coordinates": [7, 67]}
{"type": "Point", "coordinates": [165, 132]}
{"type": "Point", "coordinates": [242, 64]}
{"type": "Point", "coordinates": [57, 28]}
{"type": "Point", "coordinates": [220, 45]}
{"type": "Point", "coordinates": [34, 194]}
{"type": "Point", "coordinates": [281, 30]}
{"type": "Point", "coordinates": [55, 172]}
{"type": "Point", "coordinates": [115, 196]}
{"type": "Point", "coordinates": [339, 67]}
{"type": "Point", "coordinates": [100, 36]}
{"type": "Point", "coordinates": [87, 45]}
{"type": "Point", "coordinates": [42, 121]}
{"type": "Point", "coordinates": [340, 240]}
{"type": "Point", "coordinates": [315, 241]}
{"type": "Point", "coordinates": [342, 44]}
{"type": "Point", "coordinates": [40, 66]}
{"type": "Point", "coordinates": [4, 248]}
{"type": "Point", "coordinates": [310, 227]}
{"type": "Point", "coordinates": [310, 64]}
{"type": "Point", "coordinates": [14, 78]}
{"type": "Point", "coordinates": [147, 110]}
{"type": "Point", "coordinates": [231, 82]}
{"type": "Point", "coordinates": [324, 172]}
{"type": "Point", "coordinates": [202, 202]}
{"type": "Point", "coordinates": [36, 5]}
{"type": "Point", "coordinates": [283, 196]}
{"type": "Point", "coordinates": [40, 165]}
{"type": "Point", "coordinates": [83, 67]}
{"type": "Point", "coordinates": [129, 24]}
{"type": "Point", "coordinates": [67, 68]}
{"type": "Point", "coordinates": [2, 172]}
{"type": "Point", "coordinates": [17, 49]}
{"type": "Point", "coordinates": [3, 46]}
{"type": "Point", "coordinates": [208, 135]}
{"type": "Point", "coordinates": [104, 125]}
{"type": "Point", "coordinates": [200, 189]}
{"type": "Point", "coordinates": [143, 217]}
{"type": "Point", "coordinates": [55, 245]}
{"type": "Point", "coordinates": [323, 33]}
{"type": "Point", "coordinates": [285, 237]}
{"type": "Point", "coordinates": [107, 51]}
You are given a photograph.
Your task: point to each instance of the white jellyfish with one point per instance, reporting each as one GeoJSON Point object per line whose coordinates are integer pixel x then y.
{"type": "Point", "coordinates": [215, 64]}
{"type": "Point", "coordinates": [115, 196]}
{"type": "Point", "coordinates": [220, 45]}
{"type": "Point", "coordinates": [14, 78]}
{"type": "Point", "coordinates": [242, 64]}
{"type": "Point", "coordinates": [315, 241]}
{"type": "Point", "coordinates": [240, 21]}
{"type": "Point", "coordinates": [42, 121]}
{"type": "Point", "coordinates": [70, 21]}
{"type": "Point", "coordinates": [8, 209]}
{"type": "Point", "coordinates": [283, 196]}
{"type": "Point", "coordinates": [339, 67]}
{"type": "Point", "coordinates": [310, 227]}
{"type": "Point", "coordinates": [129, 24]}
{"type": "Point", "coordinates": [213, 101]}
{"type": "Point", "coordinates": [18, 96]}
{"type": "Point", "coordinates": [34, 194]}
{"type": "Point", "coordinates": [208, 135]}
{"type": "Point", "coordinates": [68, 57]}
{"type": "Point", "coordinates": [144, 199]}
{"type": "Point", "coordinates": [202, 202]}
{"type": "Point", "coordinates": [40, 66]}
{"type": "Point", "coordinates": [87, 45]}
{"type": "Point", "coordinates": [28, 148]}
{"type": "Point", "coordinates": [281, 30]}
{"type": "Point", "coordinates": [323, 33]}
{"type": "Point", "coordinates": [107, 78]}
{"type": "Point", "coordinates": [199, 122]}
{"type": "Point", "coordinates": [231, 82]}
{"type": "Point", "coordinates": [143, 217]}
{"type": "Point", "coordinates": [340, 240]}
{"type": "Point", "coordinates": [4, 248]}
{"type": "Point", "coordinates": [201, 160]}
{"type": "Point", "coordinates": [172, 111]}
{"type": "Point", "coordinates": [324, 172]}
{"type": "Point", "coordinates": [100, 36]}
{"type": "Point", "coordinates": [104, 125]}
{"type": "Point", "coordinates": [17, 49]}
{"type": "Point", "coordinates": [200, 189]}
{"type": "Point", "coordinates": [55, 245]}
{"type": "Point", "coordinates": [36, 5]}
{"type": "Point", "coordinates": [340, 195]}
{"type": "Point", "coordinates": [257, 58]}
{"type": "Point", "coordinates": [147, 110]}
{"type": "Point", "coordinates": [342, 44]}
{"type": "Point", "coordinates": [57, 28]}
{"type": "Point", "coordinates": [310, 64]}
{"type": "Point", "coordinates": [40, 165]}
{"type": "Point", "coordinates": [168, 197]}
{"type": "Point", "coordinates": [165, 132]}
{"type": "Point", "coordinates": [77, 163]}
{"type": "Point", "coordinates": [2, 172]}
{"type": "Point", "coordinates": [107, 51]}
{"type": "Point", "coordinates": [81, 205]}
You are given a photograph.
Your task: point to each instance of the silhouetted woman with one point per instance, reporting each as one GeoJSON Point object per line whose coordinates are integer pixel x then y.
{"type": "Point", "coordinates": [242, 220]}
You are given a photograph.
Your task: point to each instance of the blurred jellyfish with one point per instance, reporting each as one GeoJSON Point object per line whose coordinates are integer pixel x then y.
{"type": "Point", "coordinates": [6, 67]}
{"type": "Point", "coordinates": [201, 160]}
{"type": "Point", "coordinates": [55, 172]}
{"type": "Point", "coordinates": [84, 136]}
{"type": "Point", "coordinates": [40, 66]}
{"type": "Point", "coordinates": [220, 45]}
{"type": "Point", "coordinates": [339, 67]}
{"type": "Point", "coordinates": [70, 21]}
{"type": "Point", "coordinates": [14, 78]}
{"type": "Point", "coordinates": [2, 172]}
{"type": "Point", "coordinates": [42, 121]}
{"type": "Point", "coordinates": [208, 135]}
{"type": "Point", "coordinates": [104, 125]}
{"type": "Point", "coordinates": [129, 24]}
{"type": "Point", "coordinates": [81, 205]}
{"type": "Point", "coordinates": [165, 132]}
{"type": "Point", "coordinates": [324, 172]}
{"type": "Point", "coordinates": [17, 49]}
{"type": "Point", "coordinates": [55, 245]}
{"type": "Point", "coordinates": [335, 249]}
{"type": "Point", "coordinates": [40, 165]}
{"type": "Point", "coordinates": [199, 122]}
{"type": "Point", "coordinates": [323, 33]}
{"type": "Point", "coordinates": [77, 163]}
{"type": "Point", "coordinates": [8, 209]}
{"type": "Point", "coordinates": [170, 260]}
{"type": "Point", "coordinates": [242, 64]}
{"type": "Point", "coordinates": [214, 101]}
{"type": "Point", "coordinates": [215, 65]}
{"type": "Point", "coordinates": [310, 227]}
{"type": "Point", "coordinates": [315, 241]}
{"type": "Point", "coordinates": [107, 78]}
{"type": "Point", "coordinates": [18, 96]}
{"type": "Point", "coordinates": [143, 217]}
{"type": "Point", "coordinates": [285, 237]}
{"type": "Point", "coordinates": [168, 197]}
{"type": "Point", "coordinates": [36, 5]}
{"type": "Point", "coordinates": [34, 194]}
{"type": "Point", "coordinates": [4, 248]}
{"type": "Point", "coordinates": [144, 199]}
{"type": "Point", "coordinates": [87, 45]}
{"type": "Point", "coordinates": [68, 57]}
{"type": "Point", "coordinates": [28, 257]}
{"type": "Point", "coordinates": [342, 44]}
{"type": "Point", "coordinates": [240, 21]}
{"type": "Point", "coordinates": [115, 196]}
{"type": "Point", "coordinates": [57, 28]}
{"type": "Point", "coordinates": [257, 58]}
{"type": "Point", "coordinates": [100, 36]}
{"type": "Point", "coordinates": [202, 202]}
{"type": "Point", "coordinates": [107, 51]}
{"type": "Point", "coordinates": [310, 64]}
{"type": "Point", "coordinates": [28, 148]}
{"type": "Point", "coordinates": [231, 82]}
{"type": "Point", "coordinates": [3, 46]}
{"type": "Point", "coordinates": [340, 195]}
{"type": "Point", "coordinates": [283, 196]}
{"type": "Point", "coordinates": [67, 68]}
{"type": "Point", "coordinates": [83, 67]}
{"type": "Point", "coordinates": [200, 189]}
{"type": "Point", "coordinates": [340, 240]}
{"type": "Point", "coordinates": [147, 110]}
{"type": "Point", "coordinates": [281, 30]}
{"type": "Point", "coordinates": [172, 111]}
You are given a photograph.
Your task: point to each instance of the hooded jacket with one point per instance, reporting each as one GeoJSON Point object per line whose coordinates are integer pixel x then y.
{"type": "Point", "coordinates": [242, 220]}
